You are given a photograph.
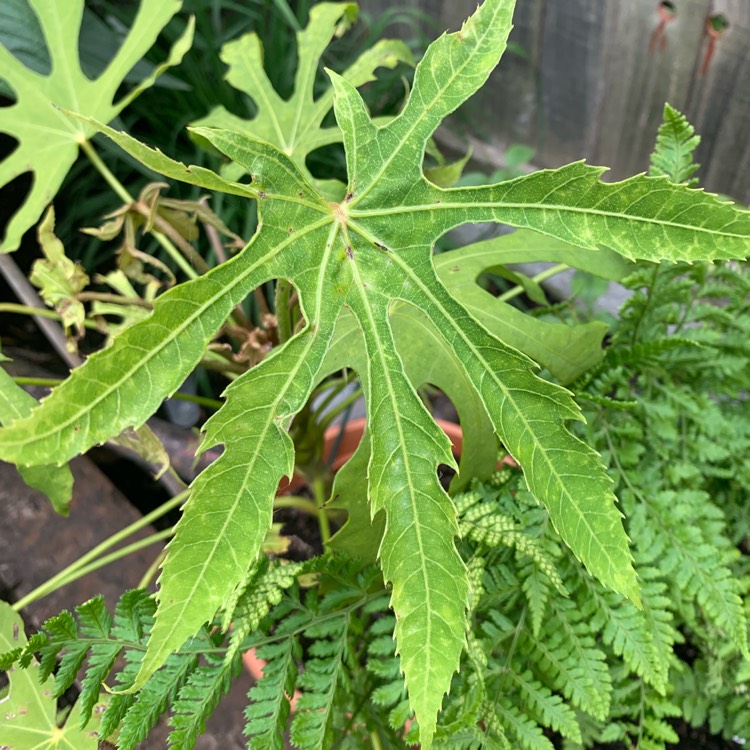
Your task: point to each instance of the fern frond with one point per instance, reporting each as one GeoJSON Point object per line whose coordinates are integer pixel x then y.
{"type": "Point", "coordinates": [262, 591]}
{"type": "Point", "coordinates": [547, 708]}
{"type": "Point", "coordinates": [319, 682]}
{"type": "Point", "coordinates": [62, 635]}
{"type": "Point", "coordinates": [624, 629]}
{"type": "Point", "coordinates": [120, 703]}
{"type": "Point", "coordinates": [134, 616]}
{"type": "Point", "coordinates": [385, 667]}
{"type": "Point", "coordinates": [198, 698]}
{"type": "Point", "coordinates": [567, 654]}
{"type": "Point", "coordinates": [638, 714]}
{"type": "Point", "coordinates": [537, 589]}
{"type": "Point", "coordinates": [527, 732]}
{"type": "Point", "coordinates": [483, 522]}
{"type": "Point", "coordinates": [269, 707]}
{"type": "Point", "coordinates": [96, 622]}
{"type": "Point", "coordinates": [154, 699]}
{"type": "Point", "coordinates": [675, 144]}
{"type": "Point", "coordinates": [680, 533]}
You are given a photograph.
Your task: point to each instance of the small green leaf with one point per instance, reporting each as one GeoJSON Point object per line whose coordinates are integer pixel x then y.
{"type": "Point", "coordinates": [55, 482]}
{"type": "Point", "coordinates": [675, 144]}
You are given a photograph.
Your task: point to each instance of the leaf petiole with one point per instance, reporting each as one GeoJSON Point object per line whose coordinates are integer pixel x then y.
{"type": "Point", "coordinates": [126, 197]}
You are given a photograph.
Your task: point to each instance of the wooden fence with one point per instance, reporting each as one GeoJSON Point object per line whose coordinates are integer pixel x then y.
{"type": "Point", "coordinates": [593, 77]}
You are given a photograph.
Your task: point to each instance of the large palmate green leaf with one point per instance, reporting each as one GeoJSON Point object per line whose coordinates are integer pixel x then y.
{"type": "Point", "coordinates": [294, 125]}
{"type": "Point", "coordinates": [369, 254]}
{"type": "Point", "coordinates": [566, 351]}
{"type": "Point", "coordinates": [48, 141]}
{"type": "Point", "coordinates": [28, 714]}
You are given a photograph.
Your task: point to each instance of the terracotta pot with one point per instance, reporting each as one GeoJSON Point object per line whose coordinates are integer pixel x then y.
{"type": "Point", "coordinates": [346, 442]}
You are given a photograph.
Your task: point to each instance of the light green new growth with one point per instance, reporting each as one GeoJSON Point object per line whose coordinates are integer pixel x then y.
{"type": "Point", "coordinates": [364, 255]}
{"type": "Point", "coordinates": [675, 144]}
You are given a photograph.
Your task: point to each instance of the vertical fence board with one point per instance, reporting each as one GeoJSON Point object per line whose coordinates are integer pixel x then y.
{"type": "Point", "coordinates": [587, 85]}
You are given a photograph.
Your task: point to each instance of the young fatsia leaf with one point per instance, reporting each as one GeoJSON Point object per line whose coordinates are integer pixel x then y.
{"type": "Point", "coordinates": [48, 141]}
{"type": "Point", "coordinates": [295, 125]}
{"type": "Point", "coordinates": [366, 254]}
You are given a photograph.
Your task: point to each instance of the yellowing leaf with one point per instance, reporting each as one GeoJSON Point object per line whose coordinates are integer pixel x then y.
{"type": "Point", "coordinates": [59, 279]}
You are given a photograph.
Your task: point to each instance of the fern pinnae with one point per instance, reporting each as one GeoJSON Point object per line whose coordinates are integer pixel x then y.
{"type": "Point", "coordinates": [703, 572]}
{"type": "Point", "coordinates": [269, 706]}
{"type": "Point", "coordinates": [319, 682]}
{"type": "Point", "coordinates": [245, 584]}
{"type": "Point", "coordinates": [483, 521]}
{"type": "Point", "coordinates": [547, 707]}
{"type": "Point", "coordinates": [198, 698]}
{"type": "Point", "coordinates": [537, 589]}
{"type": "Point", "coordinates": [574, 666]}
{"type": "Point", "coordinates": [528, 734]}
{"type": "Point", "coordinates": [263, 590]}
{"type": "Point", "coordinates": [675, 143]}
{"type": "Point", "coordinates": [101, 661]}
{"type": "Point", "coordinates": [154, 699]}
{"type": "Point", "coordinates": [639, 715]}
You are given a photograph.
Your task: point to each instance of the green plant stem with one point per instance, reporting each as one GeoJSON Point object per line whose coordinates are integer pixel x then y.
{"type": "Point", "coordinates": [116, 299]}
{"type": "Point", "coordinates": [125, 196]}
{"type": "Point", "coordinates": [375, 740]}
{"type": "Point", "coordinates": [283, 318]}
{"type": "Point", "coordinates": [518, 290]}
{"type": "Point", "coordinates": [42, 312]}
{"type": "Point", "coordinates": [79, 572]}
{"type": "Point", "coordinates": [299, 503]}
{"type": "Point", "coordinates": [319, 494]}
{"type": "Point", "coordinates": [86, 561]}
{"type": "Point", "coordinates": [336, 410]}
{"type": "Point", "coordinates": [152, 570]}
